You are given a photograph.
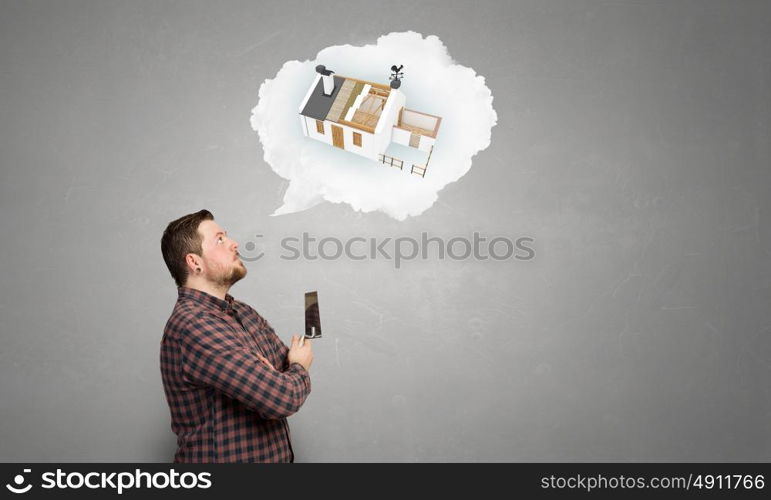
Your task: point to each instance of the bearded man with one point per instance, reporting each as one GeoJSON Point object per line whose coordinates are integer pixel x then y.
{"type": "Point", "coordinates": [229, 380]}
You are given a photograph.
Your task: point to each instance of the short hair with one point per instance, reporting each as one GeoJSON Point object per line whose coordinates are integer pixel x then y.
{"type": "Point", "coordinates": [180, 238]}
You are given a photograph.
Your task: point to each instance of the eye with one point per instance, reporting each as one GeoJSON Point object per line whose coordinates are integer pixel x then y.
{"type": "Point", "coordinates": [220, 239]}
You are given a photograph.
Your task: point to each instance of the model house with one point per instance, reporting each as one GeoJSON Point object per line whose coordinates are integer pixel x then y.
{"type": "Point", "coordinates": [368, 119]}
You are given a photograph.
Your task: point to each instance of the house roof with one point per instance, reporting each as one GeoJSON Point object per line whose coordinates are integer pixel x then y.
{"type": "Point", "coordinates": [318, 104]}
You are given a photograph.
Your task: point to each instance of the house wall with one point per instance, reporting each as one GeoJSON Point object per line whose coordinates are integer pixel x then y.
{"type": "Point", "coordinates": [419, 120]}
{"type": "Point", "coordinates": [310, 128]}
{"type": "Point", "coordinates": [400, 136]}
{"type": "Point", "coordinates": [368, 143]}
{"type": "Point", "coordinates": [388, 118]}
{"type": "Point", "coordinates": [426, 143]}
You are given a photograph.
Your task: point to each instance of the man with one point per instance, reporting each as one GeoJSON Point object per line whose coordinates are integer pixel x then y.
{"type": "Point", "coordinates": [229, 380]}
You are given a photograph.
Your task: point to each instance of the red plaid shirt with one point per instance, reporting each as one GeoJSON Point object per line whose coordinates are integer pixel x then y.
{"type": "Point", "coordinates": [226, 404]}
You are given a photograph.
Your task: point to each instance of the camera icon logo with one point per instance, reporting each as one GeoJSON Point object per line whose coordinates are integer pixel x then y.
{"type": "Point", "coordinates": [252, 251]}
{"type": "Point", "coordinates": [19, 481]}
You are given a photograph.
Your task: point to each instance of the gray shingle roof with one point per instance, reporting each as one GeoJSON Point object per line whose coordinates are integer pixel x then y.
{"type": "Point", "coordinates": [318, 104]}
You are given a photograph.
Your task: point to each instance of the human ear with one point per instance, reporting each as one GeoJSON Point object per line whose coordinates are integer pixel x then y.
{"type": "Point", "coordinates": [193, 263]}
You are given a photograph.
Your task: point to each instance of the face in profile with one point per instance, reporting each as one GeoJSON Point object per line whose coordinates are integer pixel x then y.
{"type": "Point", "coordinates": [221, 261]}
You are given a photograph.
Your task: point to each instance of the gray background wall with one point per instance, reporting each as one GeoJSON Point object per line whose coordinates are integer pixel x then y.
{"type": "Point", "coordinates": [632, 144]}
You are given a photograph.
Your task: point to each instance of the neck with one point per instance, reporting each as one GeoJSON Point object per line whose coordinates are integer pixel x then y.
{"type": "Point", "coordinates": [202, 285]}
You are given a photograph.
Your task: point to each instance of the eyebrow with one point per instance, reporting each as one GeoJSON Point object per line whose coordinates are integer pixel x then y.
{"type": "Point", "coordinates": [221, 232]}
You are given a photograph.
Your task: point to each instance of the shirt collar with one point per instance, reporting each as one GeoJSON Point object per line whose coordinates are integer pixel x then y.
{"type": "Point", "coordinates": [206, 299]}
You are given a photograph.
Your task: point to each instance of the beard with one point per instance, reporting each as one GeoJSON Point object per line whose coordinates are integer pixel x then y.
{"type": "Point", "coordinates": [228, 277]}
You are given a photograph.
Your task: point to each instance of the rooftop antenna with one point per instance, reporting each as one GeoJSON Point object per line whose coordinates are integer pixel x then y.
{"type": "Point", "coordinates": [396, 76]}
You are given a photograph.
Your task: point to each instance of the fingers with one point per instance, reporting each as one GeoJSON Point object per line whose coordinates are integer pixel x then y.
{"type": "Point", "coordinates": [299, 341]}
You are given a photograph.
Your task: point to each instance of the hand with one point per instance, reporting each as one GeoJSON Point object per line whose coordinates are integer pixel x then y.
{"type": "Point", "coordinates": [302, 354]}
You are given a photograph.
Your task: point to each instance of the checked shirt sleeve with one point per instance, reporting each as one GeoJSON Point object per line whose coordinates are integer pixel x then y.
{"type": "Point", "coordinates": [283, 353]}
{"type": "Point", "coordinates": [213, 356]}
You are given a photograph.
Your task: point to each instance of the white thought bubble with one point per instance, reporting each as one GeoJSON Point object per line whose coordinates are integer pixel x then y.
{"type": "Point", "coordinates": [433, 83]}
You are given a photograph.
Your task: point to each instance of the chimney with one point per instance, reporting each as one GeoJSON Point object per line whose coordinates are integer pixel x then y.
{"type": "Point", "coordinates": [327, 78]}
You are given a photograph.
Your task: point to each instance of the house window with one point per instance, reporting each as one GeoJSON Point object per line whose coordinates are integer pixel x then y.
{"type": "Point", "coordinates": [320, 127]}
{"type": "Point", "coordinates": [356, 139]}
